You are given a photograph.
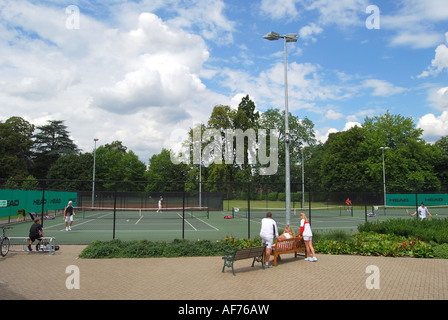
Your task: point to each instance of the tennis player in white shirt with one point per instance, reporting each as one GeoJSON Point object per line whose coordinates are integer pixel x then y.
{"type": "Point", "coordinates": [422, 211]}
{"type": "Point", "coordinates": [268, 231]}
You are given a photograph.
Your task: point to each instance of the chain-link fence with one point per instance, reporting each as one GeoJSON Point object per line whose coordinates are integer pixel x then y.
{"type": "Point", "coordinates": [164, 211]}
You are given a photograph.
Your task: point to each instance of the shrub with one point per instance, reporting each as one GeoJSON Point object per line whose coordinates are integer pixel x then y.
{"type": "Point", "coordinates": [272, 196]}
{"type": "Point", "coordinates": [428, 230]}
{"type": "Point", "coordinates": [146, 249]}
{"type": "Point", "coordinates": [440, 250]}
{"type": "Point", "coordinates": [101, 249]}
{"type": "Point", "coordinates": [375, 244]}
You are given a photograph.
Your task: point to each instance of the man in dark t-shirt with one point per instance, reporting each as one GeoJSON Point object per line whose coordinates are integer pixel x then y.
{"type": "Point", "coordinates": [36, 233]}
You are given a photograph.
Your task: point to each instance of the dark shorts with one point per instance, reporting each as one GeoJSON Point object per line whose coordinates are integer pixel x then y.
{"type": "Point", "coordinates": [35, 237]}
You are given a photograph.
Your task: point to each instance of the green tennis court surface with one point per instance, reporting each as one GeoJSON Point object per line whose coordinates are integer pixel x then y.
{"type": "Point", "coordinates": [137, 224]}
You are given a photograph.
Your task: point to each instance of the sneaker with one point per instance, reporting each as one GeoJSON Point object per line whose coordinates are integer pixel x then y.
{"type": "Point", "coordinates": [313, 259]}
{"type": "Point", "coordinates": [37, 247]}
{"type": "Point", "coordinates": [268, 265]}
{"type": "Point", "coordinates": [29, 248]}
{"type": "Point", "coordinates": [70, 229]}
{"type": "Point", "coordinates": [66, 228]}
{"type": "Point", "coordinates": [307, 259]}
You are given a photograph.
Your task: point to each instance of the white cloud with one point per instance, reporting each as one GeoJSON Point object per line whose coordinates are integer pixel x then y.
{"type": "Point", "coordinates": [308, 32]}
{"type": "Point", "coordinates": [434, 127]}
{"type": "Point", "coordinates": [440, 61]}
{"type": "Point", "coordinates": [351, 124]}
{"type": "Point", "coordinates": [280, 9]}
{"type": "Point", "coordinates": [382, 88]}
{"type": "Point", "coordinates": [413, 23]}
{"type": "Point", "coordinates": [438, 98]}
{"type": "Point", "coordinates": [323, 133]}
{"type": "Point", "coordinates": [207, 16]}
{"type": "Point", "coordinates": [333, 115]}
{"type": "Point", "coordinates": [127, 82]}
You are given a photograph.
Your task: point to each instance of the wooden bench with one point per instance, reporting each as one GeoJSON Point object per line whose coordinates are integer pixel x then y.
{"type": "Point", "coordinates": [293, 245]}
{"type": "Point", "coordinates": [257, 253]}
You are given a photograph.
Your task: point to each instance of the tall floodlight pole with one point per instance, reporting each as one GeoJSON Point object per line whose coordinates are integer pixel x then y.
{"type": "Point", "coordinates": [93, 175]}
{"type": "Point", "coordinates": [303, 178]}
{"type": "Point", "coordinates": [291, 37]}
{"type": "Point", "coordinates": [199, 143]}
{"type": "Point", "coordinates": [384, 176]}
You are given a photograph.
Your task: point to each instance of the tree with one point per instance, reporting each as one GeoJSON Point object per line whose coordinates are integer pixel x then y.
{"type": "Point", "coordinates": [442, 163]}
{"type": "Point", "coordinates": [50, 143]}
{"type": "Point", "coordinates": [301, 133]}
{"type": "Point", "coordinates": [15, 147]}
{"type": "Point", "coordinates": [114, 163]}
{"type": "Point", "coordinates": [355, 156]}
{"type": "Point", "coordinates": [409, 161]}
{"type": "Point", "coordinates": [72, 172]}
{"type": "Point", "coordinates": [342, 163]}
{"type": "Point", "coordinates": [162, 170]}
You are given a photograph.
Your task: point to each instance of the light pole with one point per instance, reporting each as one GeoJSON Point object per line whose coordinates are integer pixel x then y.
{"type": "Point", "coordinates": [93, 175]}
{"type": "Point", "coordinates": [303, 178]}
{"type": "Point", "coordinates": [384, 175]}
{"type": "Point", "coordinates": [200, 172]}
{"type": "Point", "coordinates": [291, 37]}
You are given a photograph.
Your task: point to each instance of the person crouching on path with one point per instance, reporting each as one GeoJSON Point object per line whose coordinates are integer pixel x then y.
{"type": "Point", "coordinates": [36, 233]}
{"type": "Point", "coordinates": [268, 231]}
{"type": "Point", "coordinates": [307, 234]}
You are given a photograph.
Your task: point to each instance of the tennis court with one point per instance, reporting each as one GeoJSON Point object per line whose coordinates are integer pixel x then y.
{"type": "Point", "coordinates": [195, 223]}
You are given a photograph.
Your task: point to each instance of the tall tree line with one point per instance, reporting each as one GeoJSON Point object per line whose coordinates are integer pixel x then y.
{"type": "Point", "coordinates": [347, 160]}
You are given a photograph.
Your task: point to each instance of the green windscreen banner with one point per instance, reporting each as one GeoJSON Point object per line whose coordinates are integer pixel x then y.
{"type": "Point", "coordinates": [32, 200]}
{"type": "Point", "coordinates": [439, 199]}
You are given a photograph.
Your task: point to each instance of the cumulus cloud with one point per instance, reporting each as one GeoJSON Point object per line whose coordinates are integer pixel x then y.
{"type": "Point", "coordinates": [439, 63]}
{"type": "Point", "coordinates": [434, 127]}
{"type": "Point", "coordinates": [412, 23]}
{"type": "Point", "coordinates": [123, 82]}
{"type": "Point", "coordinates": [333, 115]}
{"type": "Point", "coordinates": [382, 88]}
{"type": "Point", "coordinates": [166, 73]}
{"type": "Point", "coordinates": [308, 32]}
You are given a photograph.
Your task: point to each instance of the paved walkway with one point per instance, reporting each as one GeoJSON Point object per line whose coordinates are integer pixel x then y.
{"type": "Point", "coordinates": [331, 277]}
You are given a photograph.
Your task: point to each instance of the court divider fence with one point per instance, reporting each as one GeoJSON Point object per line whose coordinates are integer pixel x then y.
{"type": "Point", "coordinates": [129, 210]}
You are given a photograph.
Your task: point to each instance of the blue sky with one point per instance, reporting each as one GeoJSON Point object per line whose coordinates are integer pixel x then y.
{"type": "Point", "coordinates": [143, 72]}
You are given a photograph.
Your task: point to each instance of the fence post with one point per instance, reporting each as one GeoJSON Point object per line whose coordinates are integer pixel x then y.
{"type": "Point", "coordinates": [183, 212]}
{"type": "Point", "coordinates": [248, 210]}
{"type": "Point", "coordinates": [115, 211]}
{"type": "Point", "coordinates": [43, 206]}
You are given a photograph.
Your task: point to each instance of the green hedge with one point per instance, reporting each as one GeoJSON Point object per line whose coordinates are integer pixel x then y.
{"type": "Point", "coordinates": [176, 248]}
{"type": "Point", "coordinates": [375, 244]}
{"type": "Point", "coordinates": [435, 230]}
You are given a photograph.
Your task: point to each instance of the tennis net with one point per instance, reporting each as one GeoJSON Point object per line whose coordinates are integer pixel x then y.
{"type": "Point", "coordinates": [278, 213]}
{"type": "Point", "coordinates": [404, 211]}
{"type": "Point", "coordinates": [142, 213]}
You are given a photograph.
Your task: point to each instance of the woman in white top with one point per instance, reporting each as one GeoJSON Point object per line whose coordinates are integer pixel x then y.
{"type": "Point", "coordinates": [307, 234]}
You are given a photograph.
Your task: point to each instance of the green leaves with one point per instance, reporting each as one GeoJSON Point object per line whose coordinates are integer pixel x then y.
{"type": "Point", "coordinates": [376, 244]}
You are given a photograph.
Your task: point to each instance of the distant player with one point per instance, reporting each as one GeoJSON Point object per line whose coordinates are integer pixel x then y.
{"type": "Point", "coordinates": [348, 203]}
{"type": "Point", "coordinates": [69, 212]}
{"type": "Point", "coordinates": [422, 211]}
{"type": "Point", "coordinates": [160, 204]}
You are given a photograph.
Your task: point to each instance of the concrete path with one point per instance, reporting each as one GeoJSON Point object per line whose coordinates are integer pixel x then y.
{"type": "Point", "coordinates": [29, 275]}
